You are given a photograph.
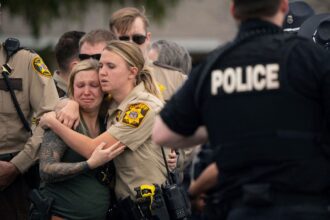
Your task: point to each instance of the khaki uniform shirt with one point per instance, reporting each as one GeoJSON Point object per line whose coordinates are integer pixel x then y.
{"type": "Point", "coordinates": [61, 84]}
{"type": "Point", "coordinates": [131, 123]}
{"type": "Point", "coordinates": [36, 93]}
{"type": "Point", "coordinates": [168, 79]}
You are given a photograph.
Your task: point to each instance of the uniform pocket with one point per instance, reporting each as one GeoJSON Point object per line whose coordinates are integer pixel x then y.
{"type": "Point", "coordinates": [7, 106]}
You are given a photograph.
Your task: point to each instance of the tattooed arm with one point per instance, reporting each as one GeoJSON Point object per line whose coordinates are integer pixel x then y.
{"type": "Point", "coordinates": [51, 167]}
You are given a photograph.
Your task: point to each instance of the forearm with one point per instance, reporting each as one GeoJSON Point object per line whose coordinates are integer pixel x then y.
{"type": "Point", "coordinates": [56, 172]}
{"type": "Point", "coordinates": [61, 104]}
{"type": "Point", "coordinates": [206, 181]}
{"type": "Point", "coordinates": [200, 137]}
{"type": "Point", "coordinates": [29, 154]}
{"type": "Point", "coordinates": [80, 143]}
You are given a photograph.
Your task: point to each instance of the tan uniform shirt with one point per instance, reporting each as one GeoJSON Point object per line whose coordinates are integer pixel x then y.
{"type": "Point", "coordinates": [168, 80]}
{"type": "Point", "coordinates": [131, 123]}
{"type": "Point", "coordinates": [36, 93]}
{"type": "Point", "coordinates": [61, 84]}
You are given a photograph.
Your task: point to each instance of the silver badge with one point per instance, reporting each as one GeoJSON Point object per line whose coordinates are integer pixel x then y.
{"type": "Point", "coordinates": [289, 19]}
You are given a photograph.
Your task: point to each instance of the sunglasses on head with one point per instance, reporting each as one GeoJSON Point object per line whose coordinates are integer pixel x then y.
{"type": "Point", "coordinates": [83, 56]}
{"type": "Point", "coordinates": [136, 38]}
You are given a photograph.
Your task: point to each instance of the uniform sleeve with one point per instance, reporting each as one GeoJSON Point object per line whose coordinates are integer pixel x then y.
{"type": "Point", "coordinates": [312, 76]}
{"type": "Point", "coordinates": [135, 127]}
{"type": "Point", "coordinates": [43, 98]}
{"type": "Point", "coordinates": [181, 114]}
{"type": "Point", "coordinates": [43, 93]}
{"type": "Point", "coordinates": [28, 156]}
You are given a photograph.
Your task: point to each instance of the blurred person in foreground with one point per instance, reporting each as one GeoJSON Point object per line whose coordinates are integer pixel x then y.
{"type": "Point", "coordinates": [263, 102]}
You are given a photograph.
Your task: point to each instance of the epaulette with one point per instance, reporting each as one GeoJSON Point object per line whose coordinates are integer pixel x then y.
{"type": "Point", "coordinates": [28, 49]}
{"type": "Point", "coordinates": [165, 66]}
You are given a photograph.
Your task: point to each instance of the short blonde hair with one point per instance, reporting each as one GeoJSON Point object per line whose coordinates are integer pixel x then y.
{"type": "Point", "coordinates": [89, 64]}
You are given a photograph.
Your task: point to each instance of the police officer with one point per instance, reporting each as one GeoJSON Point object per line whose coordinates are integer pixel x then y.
{"type": "Point", "coordinates": [66, 53]}
{"type": "Point", "coordinates": [35, 92]}
{"type": "Point", "coordinates": [131, 24]}
{"type": "Point", "coordinates": [316, 28]}
{"type": "Point", "coordinates": [264, 100]}
{"type": "Point", "coordinates": [298, 12]}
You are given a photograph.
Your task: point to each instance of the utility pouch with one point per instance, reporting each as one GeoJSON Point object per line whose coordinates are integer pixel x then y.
{"type": "Point", "coordinates": [41, 207]}
{"type": "Point", "coordinates": [257, 195]}
{"type": "Point", "coordinates": [106, 174]}
{"type": "Point", "coordinates": [126, 209]}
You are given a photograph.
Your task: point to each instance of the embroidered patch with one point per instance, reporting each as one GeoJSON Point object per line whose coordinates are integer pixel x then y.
{"type": "Point", "coordinates": [118, 115]}
{"type": "Point", "coordinates": [40, 67]}
{"type": "Point", "coordinates": [135, 114]}
{"type": "Point", "coordinates": [161, 87]}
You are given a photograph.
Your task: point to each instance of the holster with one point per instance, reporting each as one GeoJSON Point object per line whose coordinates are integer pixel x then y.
{"type": "Point", "coordinates": [41, 207]}
{"type": "Point", "coordinates": [125, 209]}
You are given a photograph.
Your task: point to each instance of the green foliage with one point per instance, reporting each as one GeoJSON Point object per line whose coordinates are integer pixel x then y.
{"type": "Point", "coordinates": [40, 12]}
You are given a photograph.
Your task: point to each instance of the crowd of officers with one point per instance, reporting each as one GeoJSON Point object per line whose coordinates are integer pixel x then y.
{"type": "Point", "coordinates": [257, 109]}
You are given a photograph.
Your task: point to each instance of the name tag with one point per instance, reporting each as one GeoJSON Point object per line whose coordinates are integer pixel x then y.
{"type": "Point", "coordinates": [16, 84]}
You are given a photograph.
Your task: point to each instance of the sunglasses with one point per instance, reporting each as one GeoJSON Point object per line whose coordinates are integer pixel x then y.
{"type": "Point", "coordinates": [136, 38]}
{"type": "Point", "coordinates": [83, 56]}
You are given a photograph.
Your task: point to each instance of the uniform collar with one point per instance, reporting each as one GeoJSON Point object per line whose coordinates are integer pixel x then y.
{"type": "Point", "coordinates": [60, 82]}
{"type": "Point", "coordinates": [131, 96]}
{"type": "Point", "coordinates": [255, 25]}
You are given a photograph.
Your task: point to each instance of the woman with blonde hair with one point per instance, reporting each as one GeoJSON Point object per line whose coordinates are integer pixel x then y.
{"type": "Point", "coordinates": [135, 102]}
{"type": "Point", "coordinates": [67, 177]}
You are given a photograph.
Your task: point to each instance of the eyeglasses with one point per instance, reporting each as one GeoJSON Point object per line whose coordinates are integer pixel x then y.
{"type": "Point", "coordinates": [136, 38]}
{"type": "Point", "coordinates": [83, 56]}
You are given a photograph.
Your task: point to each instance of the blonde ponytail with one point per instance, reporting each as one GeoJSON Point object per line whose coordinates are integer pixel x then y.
{"type": "Point", "coordinates": [149, 82]}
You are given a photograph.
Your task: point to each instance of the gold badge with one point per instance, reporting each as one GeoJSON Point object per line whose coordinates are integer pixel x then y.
{"type": "Point", "coordinates": [135, 114]}
{"type": "Point", "coordinates": [40, 67]}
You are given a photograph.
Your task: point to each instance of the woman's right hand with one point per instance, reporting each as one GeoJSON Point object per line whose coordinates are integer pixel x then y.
{"type": "Point", "coordinates": [69, 114]}
{"type": "Point", "coordinates": [101, 156]}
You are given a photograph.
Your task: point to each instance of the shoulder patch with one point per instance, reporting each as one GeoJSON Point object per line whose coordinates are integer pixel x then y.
{"type": "Point", "coordinates": [40, 67]}
{"type": "Point", "coordinates": [135, 114]}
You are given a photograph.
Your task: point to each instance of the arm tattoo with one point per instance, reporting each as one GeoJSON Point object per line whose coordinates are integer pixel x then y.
{"type": "Point", "coordinates": [51, 168]}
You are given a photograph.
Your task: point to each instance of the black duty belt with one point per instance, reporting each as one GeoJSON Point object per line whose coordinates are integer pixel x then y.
{"type": "Point", "coordinates": [7, 157]}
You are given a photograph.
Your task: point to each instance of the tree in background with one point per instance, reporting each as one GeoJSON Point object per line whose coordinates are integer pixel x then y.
{"type": "Point", "coordinates": [40, 12]}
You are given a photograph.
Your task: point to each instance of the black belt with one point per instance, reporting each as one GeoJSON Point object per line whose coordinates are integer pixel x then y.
{"type": "Point", "coordinates": [7, 157]}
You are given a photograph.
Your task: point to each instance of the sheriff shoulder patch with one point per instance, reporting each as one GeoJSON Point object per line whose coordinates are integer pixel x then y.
{"type": "Point", "coordinates": [135, 114]}
{"type": "Point", "coordinates": [40, 67]}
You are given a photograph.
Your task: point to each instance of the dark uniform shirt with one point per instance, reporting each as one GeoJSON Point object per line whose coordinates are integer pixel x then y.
{"type": "Point", "coordinates": [264, 104]}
